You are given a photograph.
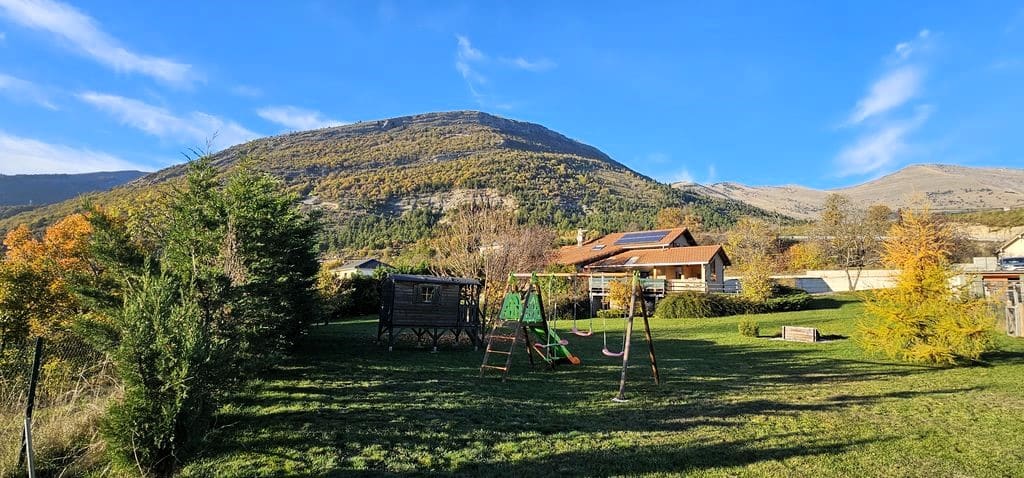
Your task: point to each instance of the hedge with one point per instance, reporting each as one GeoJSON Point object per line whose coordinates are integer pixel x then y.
{"type": "Point", "coordinates": [701, 305]}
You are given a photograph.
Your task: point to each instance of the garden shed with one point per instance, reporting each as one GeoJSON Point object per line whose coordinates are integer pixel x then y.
{"type": "Point", "coordinates": [431, 306]}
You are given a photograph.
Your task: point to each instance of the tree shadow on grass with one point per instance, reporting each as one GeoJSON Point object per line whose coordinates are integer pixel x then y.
{"type": "Point", "coordinates": [423, 411]}
{"type": "Point", "coordinates": [824, 302]}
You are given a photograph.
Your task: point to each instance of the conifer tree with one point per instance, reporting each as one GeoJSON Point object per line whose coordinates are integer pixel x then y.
{"type": "Point", "coordinates": [922, 318]}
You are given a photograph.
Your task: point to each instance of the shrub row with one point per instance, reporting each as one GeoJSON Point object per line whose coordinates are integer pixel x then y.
{"type": "Point", "coordinates": [701, 305]}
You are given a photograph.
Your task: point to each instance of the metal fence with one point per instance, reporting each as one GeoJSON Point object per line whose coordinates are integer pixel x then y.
{"type": "Point", "coordinates": [1007, 301]}
{"type": "Point", "coordinates": [72, 384]}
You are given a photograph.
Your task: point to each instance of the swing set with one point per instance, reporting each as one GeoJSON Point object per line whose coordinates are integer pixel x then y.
{"type": "Point", "coordinates": [523, 317]}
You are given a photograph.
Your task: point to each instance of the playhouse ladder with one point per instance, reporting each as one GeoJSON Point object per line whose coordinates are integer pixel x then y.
{"type": "Point", "coordinates": [504, 332]}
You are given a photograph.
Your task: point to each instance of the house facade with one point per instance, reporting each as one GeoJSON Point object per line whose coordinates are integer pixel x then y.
{"type": "Point", "coordinates": [668, 260]}
{"type": "Point", "coordinates": [354, 267]}
{"type": "Point", "coordinates": [1011, 254]}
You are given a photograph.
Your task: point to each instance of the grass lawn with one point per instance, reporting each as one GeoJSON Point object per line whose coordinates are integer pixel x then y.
{"type": "Point", "coordinates": [728, 405]}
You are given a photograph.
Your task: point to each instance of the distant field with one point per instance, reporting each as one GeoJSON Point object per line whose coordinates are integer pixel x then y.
{"type": "Point", "coordinates": [729, 406]}
{"type": "Point", "coordinates": [1011, 218]}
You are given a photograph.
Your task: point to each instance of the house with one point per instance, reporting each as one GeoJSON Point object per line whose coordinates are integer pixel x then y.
{"type": "Point", "coordinates": [1011, 254]}
{"type": "Point", "coordinates": [585, 253]}
{"type": "Point", "coordinates": [700, 268]}
{"type": "Point", "coordinates": [358, 267]}
{"type": "Point", "coordinates": [668, 260]}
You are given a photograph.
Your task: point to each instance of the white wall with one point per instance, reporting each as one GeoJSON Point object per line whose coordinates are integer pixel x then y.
{"type": "Point", "coordinates": [817, 282]}
{"type": "Point", "coordinates": [352, 272]}
{"type": "Point", "coordinates": [1015, 249]}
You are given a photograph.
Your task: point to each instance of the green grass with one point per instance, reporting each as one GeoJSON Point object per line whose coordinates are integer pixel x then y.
{"type": "Point", "coordinates": [728, 405]}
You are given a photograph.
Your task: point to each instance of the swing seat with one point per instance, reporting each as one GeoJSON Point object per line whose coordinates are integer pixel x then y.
{"type": "Point", "coordinates": [562, 342]}
{"type": "Point", "coordinates": [609, 353]}
{"type": "Point", "coordinates": [581, 333]}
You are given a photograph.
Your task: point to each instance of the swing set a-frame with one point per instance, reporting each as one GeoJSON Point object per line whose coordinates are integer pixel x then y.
{"type": "Point", "coordinates": [522, 317]}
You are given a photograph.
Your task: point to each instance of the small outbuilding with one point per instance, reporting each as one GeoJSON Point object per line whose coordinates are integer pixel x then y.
{"type": "Point", "coordinates": [429, 305]}
{"type": "Point", "coordinates": [365, 267]}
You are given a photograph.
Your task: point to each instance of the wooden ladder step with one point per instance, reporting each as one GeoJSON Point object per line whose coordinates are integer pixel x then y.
{"type": "Point", "coordinates": [494, 367]}
{"type": "Point", "coordinates": [499, 352]}
{"type": "Point", "coordinates": [505, 337]}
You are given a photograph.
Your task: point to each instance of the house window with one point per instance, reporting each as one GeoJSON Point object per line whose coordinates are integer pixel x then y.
{"type": "Point", "coordinates": [428, 293]}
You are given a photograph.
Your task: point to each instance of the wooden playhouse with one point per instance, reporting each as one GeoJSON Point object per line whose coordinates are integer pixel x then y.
{"type": "Point", "coordinates": [431, 306]}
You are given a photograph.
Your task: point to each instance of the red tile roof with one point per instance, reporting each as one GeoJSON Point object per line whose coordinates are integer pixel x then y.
{"type": "Point", "coordinates": [658, 257]}
{"type": "Point", "coordinates": [605, 246]}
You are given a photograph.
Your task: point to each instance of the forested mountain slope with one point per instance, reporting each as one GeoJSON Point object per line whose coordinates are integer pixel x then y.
{"type": "Point", "coordinates": [385, 183]}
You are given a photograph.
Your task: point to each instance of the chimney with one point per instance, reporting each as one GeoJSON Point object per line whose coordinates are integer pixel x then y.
{"type": "Point", "coordinates": [579, 237]}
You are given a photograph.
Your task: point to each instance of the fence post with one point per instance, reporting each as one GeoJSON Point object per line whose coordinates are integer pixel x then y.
{"type": "Point", "coordinates": [25, 455]}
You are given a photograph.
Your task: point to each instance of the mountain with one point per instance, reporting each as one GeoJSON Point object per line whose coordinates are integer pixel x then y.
{"type": "Point", "coordinates": [23, 192]}
{"type": "Point", "coordinates": [948, 187]}
{"type": "Point", "coordinates": [38, 189]}
{"type": "Point", "coordinates": [384, 183]}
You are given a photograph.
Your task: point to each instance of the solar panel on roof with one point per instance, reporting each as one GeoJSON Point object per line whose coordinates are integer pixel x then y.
{"type": "Point", "coordinates": [641, 237]}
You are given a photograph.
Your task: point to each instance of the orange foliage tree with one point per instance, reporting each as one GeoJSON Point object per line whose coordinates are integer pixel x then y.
{"type": "Point", "coordinates": [37, 277]}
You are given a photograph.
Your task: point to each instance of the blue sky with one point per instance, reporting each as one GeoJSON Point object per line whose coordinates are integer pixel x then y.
{"type": "Point", "coordinates": [817, 93]}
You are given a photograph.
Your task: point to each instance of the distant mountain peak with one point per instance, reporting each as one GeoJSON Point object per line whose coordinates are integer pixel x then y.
{"type": "Point", "coordinates": [949, 187]}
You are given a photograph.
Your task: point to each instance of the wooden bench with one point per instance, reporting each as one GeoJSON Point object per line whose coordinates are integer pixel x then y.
{"type": "Point", "coordinates": [800, 334]}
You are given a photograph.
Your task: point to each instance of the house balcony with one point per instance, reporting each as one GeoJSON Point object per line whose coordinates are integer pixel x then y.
{"type": "Point", "coordinates": [659, 287]}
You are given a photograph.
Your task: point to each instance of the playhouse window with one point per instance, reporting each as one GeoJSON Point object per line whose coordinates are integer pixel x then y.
{"type": "Point", "coordinates": [427, 293]}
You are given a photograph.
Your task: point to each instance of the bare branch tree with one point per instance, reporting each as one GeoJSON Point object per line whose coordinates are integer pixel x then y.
{"type": "Point", "coordinates": [489, 244]}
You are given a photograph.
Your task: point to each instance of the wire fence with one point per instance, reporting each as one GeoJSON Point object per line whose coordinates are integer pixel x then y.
{"type": "Point", "coordinates": [74, 386]}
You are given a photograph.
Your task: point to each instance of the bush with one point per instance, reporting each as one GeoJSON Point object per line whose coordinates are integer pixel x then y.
{"type": "Point", "coordinates": [749, 328]}
{"type": "Point", "coordinates": [341, 298]}
{"type": "Point", "coordinates": [799, 300]}
{"type": "Point", "coordinates": [611, 314]}
{"type": "Point", "coordinates": [699, 305]}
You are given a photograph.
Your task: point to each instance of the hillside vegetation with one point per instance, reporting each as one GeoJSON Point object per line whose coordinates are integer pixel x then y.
{"type": "Point", "coordinates": [383, 184]}
{"type": "Point", "coordinates": [993, 219]}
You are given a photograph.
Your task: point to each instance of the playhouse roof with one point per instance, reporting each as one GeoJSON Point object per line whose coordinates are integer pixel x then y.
{"type": "Point", "coordinates": [432, 279]}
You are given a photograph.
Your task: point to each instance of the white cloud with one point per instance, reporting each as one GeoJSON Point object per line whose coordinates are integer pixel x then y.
{"type": "Point", "coordinates": [883, 141]}
{"type": "Point", "coordinates": [196, 127]}
{"type": "Point", "coordinates": [466, 50]}
{"type": "Point", "coordinates": [682, 176]}
{"type": "Point", "coordinates": [542, 64]}
{"type": "Point", "coordinates": [903, 50]}
{"type": "Point", "coordinates": [881, 147]}
{"type": "Point", "coordinates": [891, 91]}
{"type": "Point", "coordinates": [297, 119]}
{"type": "Point", "coordinates": [465, 56]}
{"type": "Point", "coordinates": [685, 176]}
{"type": "Point", "coordinates": [85, 35]}
{"type": "Point", "coordinates": [23, 90]}
{"type": "Point", "coordinates": [247, 91]}
{"type": "Point", "coordinates": [29, 156]}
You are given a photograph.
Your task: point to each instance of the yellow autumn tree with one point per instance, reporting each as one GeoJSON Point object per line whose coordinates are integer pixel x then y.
{"type": "Point", "coordinates": [923, 318]}
{"type": "Point", "coordinates": [751, 245]}
{"type": "Point", "coordinates": [619, 293]}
